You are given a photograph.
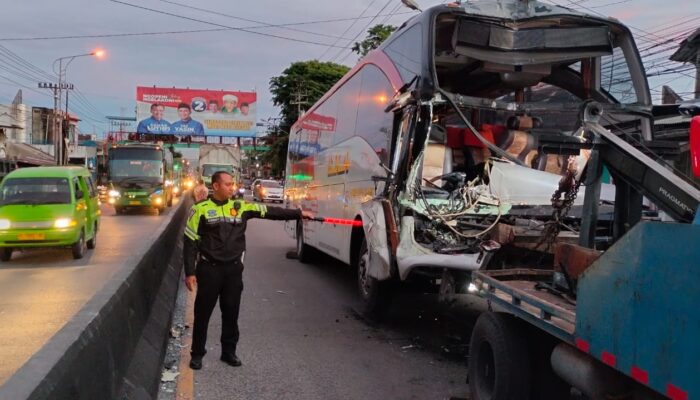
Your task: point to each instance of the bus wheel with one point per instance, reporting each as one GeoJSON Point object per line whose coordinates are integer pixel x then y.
{"type": "Point", "coordinates": [374, 294]}
{"type": "Point", "coordinates": [499, 367]}
{"type": "Point", "coordinates": [78, 247]}
{"type": "Point", "coordinates": [5, 254]}
{"type": "Point", "coordinates": [92, 243]}
{"type": "Point", "coordinates": [305, 253]}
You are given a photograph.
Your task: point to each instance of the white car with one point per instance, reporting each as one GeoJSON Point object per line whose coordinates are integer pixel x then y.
{"type": "Point", "coordinates": [267, 190]}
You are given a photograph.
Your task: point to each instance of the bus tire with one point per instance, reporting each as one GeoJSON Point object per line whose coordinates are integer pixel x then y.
{"type": "Point", "coordinates": [92, 243]}
{"type": "Point", "coordinates": [499, 367]}
{"type": "Point", "coordinates": [78, 247]}
{"type": "Point", "coordinates": [375, 295]}
{"type": "Point", "coordinates": [5, 254]}
{"type": "Point", "coordinates": [305, 253]}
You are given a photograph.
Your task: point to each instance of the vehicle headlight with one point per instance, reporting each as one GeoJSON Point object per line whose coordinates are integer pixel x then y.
{"type": "Point", "coordinates": [64, 223]}
{"type": "Point", "coordinates": [168, 182]}
{"type": "Point", "coordinates": [4, 224]}
{"type": "Point", "coordinates": [176, 190]}
{"type": "Point", "coordinates": [114, 193]}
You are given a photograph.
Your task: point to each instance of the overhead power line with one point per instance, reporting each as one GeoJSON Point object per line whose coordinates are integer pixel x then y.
{"type": "Point", "coordinates": [362, 31]}
{"type": "Point", "coordinates": [263, 24]}
{"type": "Point", "coordinates": [177, 32]}
{"type": "Point", "coordinates": [348, 28]}
{"type": "Point", "coordinates": [224, 26]}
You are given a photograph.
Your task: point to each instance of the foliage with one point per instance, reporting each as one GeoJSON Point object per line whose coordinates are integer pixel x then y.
{"type": "Point", "coordinates": [302, 82]}
{"type": "Point", "coordinates": [376, 35]}
{"type": "Point", "coordinates": [305, 82]}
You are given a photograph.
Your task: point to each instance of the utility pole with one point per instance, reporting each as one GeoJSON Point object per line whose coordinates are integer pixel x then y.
{"type": "Point", "coordinates": [56, 123]}
{"type": "Point", "coordinates": [299, 99]}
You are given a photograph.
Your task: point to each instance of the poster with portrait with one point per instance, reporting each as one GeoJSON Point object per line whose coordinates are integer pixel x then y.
{"type": "Point", "coordinates": [194, 112]}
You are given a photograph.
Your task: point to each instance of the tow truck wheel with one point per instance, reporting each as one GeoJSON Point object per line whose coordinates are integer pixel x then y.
{"type": "Point", "coordinates": [5, 254]}
{"type": "Point", "coordinates": [374, 294]}
{"type": "Point", "coordinates": [499, 367]}
{"type": "Point", "coordinates": [305, 253]}
{"type": "Point", "coordinates": [78, 247]}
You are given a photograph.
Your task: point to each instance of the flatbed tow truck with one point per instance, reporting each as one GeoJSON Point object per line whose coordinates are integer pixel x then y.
{"type": "Point", "coordinates": [622, 324]}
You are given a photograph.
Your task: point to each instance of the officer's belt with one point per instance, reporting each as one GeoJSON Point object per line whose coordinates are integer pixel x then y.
{"type": "Point", "coordinates": [202, 257]}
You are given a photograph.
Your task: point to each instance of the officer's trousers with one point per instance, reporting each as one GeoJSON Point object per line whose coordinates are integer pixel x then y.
{"type": "Point", "coordinates": [223, 282]}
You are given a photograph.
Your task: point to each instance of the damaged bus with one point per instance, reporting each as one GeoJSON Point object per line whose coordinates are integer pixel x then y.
{"type": "Point", "coordinates": [457, 145]}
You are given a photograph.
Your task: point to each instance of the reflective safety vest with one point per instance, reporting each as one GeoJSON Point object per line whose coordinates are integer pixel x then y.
{"type": "Point", "coordinates": [217, 229]}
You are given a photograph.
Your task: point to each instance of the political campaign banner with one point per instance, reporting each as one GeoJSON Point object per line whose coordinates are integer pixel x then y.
{"type": "Point", "coordinates": [193, 112]}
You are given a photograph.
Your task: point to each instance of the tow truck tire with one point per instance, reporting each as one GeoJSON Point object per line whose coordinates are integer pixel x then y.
{"type": "Point", "coordinates": [92, 243]}
{"type": "Point", "coordinates": [78, 247]}
{"type": "Point", "coordinates": [374, 294]}
{"type": "Point", "coordinates": [499, 365]}
{"type": "Point", "coordinates": [5, 254]}
{"type": "Point", "coordinates": [305, 253]}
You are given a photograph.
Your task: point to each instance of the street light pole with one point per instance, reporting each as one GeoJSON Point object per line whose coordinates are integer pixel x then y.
{"type": "Point", "coordinates": [59, 144]}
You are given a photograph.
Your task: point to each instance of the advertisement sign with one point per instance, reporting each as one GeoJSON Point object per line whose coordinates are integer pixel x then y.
{"type": "Point", "coordinates": [193, 112]}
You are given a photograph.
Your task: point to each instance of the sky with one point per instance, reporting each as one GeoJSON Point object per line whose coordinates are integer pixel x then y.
{"type": "Point", "coordinates": [223, 59]}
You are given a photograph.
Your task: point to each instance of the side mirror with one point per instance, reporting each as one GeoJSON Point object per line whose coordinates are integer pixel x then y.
{"type": "Point", "coordinates": [79, 195]}
{"type": "Point", "coordinates": [695, 145]}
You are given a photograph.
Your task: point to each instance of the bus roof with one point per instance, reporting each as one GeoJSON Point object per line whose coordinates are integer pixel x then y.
{"type": "Point", "coordinates": [500, 11]}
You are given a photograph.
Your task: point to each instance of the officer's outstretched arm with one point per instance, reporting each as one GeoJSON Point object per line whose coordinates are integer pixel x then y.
{"type": "Point", "coordinates": [277, 213]}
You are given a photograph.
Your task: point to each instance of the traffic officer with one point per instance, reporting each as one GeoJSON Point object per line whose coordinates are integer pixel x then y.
{"type": "Point", "coordinates": [216, 232]}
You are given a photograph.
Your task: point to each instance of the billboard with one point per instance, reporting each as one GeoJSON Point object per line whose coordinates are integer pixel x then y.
{"type": "Point", "coordinates": [193, 112]}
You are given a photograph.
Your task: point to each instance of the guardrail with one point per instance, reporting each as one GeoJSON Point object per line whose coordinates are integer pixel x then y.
{"type": "Point", "coordinates": [114, 346]}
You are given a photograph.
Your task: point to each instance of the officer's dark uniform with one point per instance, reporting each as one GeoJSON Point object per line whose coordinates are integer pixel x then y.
{"type": "Point", "coordinates": [216, 230]}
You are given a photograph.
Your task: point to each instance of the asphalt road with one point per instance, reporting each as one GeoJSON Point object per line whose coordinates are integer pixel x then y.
{"type": "Point", "coordinates": [40, 290]}
{"type": "Point", "coordinates": [301, 337]}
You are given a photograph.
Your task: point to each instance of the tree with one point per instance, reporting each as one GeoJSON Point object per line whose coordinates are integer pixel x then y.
{"type": "Point", "coordinates": [297, 89]}
{"type": "Point", "coordinates": [376, 35]}
{"type": "Point", "coordinates": [301, 85]}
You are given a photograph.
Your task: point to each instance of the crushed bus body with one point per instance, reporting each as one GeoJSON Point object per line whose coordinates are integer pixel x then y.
{"type": "Point", "coordinates": [462, 138]}
{"type": "Point", "coordinates": [505, 148]}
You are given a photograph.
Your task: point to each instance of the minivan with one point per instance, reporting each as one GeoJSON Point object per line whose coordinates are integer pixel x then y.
{"type": "Point", "coordinates": [48, 207]}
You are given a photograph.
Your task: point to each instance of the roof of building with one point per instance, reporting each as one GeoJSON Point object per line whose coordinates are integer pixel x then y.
{"type": "Point", "coordinates": [689, 49]}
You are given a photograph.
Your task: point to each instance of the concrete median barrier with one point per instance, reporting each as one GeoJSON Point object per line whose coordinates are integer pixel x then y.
{"type": "Point", "coordinates": [114, 346]}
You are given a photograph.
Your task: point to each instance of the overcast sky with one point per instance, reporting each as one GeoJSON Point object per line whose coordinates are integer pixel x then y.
{"type": "Point", "coordinates": [225, 59]}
